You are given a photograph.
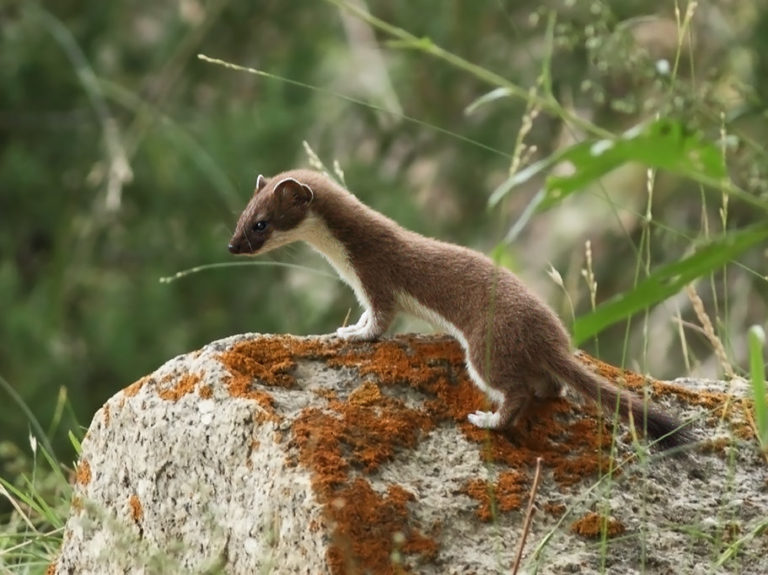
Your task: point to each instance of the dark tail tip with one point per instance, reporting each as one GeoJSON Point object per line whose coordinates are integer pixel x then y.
{"type": "Point", "coordinates": [668, 431]}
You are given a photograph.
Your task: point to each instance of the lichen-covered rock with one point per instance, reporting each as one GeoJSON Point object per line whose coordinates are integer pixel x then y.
{"type": "Point", "coordinates": [276, 454]}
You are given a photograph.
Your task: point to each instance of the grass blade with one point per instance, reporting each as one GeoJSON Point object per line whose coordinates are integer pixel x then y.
{"type": "Point", "coordinates": [33, 422]}
{"type": "Point", "coordinates": [757, 371]}
{"type": "Point", "coordinates": [667, 280]}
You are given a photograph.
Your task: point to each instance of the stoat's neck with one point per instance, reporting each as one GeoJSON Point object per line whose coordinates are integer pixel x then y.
{"type": "Point", "coordinates": [315, 232]}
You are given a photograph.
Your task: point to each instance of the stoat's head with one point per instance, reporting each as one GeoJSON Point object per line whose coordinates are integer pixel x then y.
{"type": "Point", "coordinates": [273, 216]}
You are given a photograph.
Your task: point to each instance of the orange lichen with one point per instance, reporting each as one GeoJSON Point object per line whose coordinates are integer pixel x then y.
{"type": "Point", "coordinates": [134, 388]}
{"type": "Point", "coordinates": [363, 435]}
{"type": "Point", "coordinates": [360, 432]}
{"type": "Point", "coordinates": [51, 569]}
{"type": "Point", "coordinates": [77, 505]}
{"type": "Point", "coordinates": [205, 391]}
{"type": "Point", "coordinates": [183, 385]}
{"type": "Point", "coordinates": [328, 394]}
{"type": "Point", "coordinates": [319, 437]}
{"type": "Point", "coordinates": [370, 526]}
{"type": "Point", "coordinates": [266, 362]}
{"type": "Point", "coordinates": [503, 495]}
{"type": "Point", "coordinates": [364, 430]}
{"type": "Point", "coordinates": [267, 414]}
{"type": "Point", "coordinates": [732, 531]}
{"type": "Point", "coordinates": [366, 394]}
{"type": "Point", "coordinates": [436, 367]}
{"type": "Point", "coordinates": [721, 405]}
{"type": "Point", "coordinates": [568, 438]}
{"type": "Point", "coordinates": [351, 436]}
{"type": "Point", "coordinates": [406, 360]}
{"type": "Point", "coordinates": [137, 511]}
{"type": "Point", "coordinates": [83, 472]}
{"type": "Point", "coordinates": [240, 386]}
{"type": "Point", "coordinates": [554, 509]}
{"type": "Point", "coordinates": [593, 525]}
{"type": "Point", "coordinates": [106, 414]}
{"type": "Point", "coordinates": [716, 444]}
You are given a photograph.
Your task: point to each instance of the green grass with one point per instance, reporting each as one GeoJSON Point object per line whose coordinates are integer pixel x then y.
{"type": "Point", "coordinates": [757, 373]}
{"type": "Point", "coordinates": [39, 497]}
{"type": "Point", "coordinates": [34, 492]}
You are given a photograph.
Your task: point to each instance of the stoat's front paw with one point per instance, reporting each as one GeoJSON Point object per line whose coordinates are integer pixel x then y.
{"type": "Point", "coordinates": [355, 333]}
{"type": "Point", "coordinates": [485, 419]}
{"type": "Point", "coordinates": [365, 329]}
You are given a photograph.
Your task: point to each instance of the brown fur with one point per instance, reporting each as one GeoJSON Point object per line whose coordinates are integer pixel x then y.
{"type": "Point", "coordinates": [514, 342]}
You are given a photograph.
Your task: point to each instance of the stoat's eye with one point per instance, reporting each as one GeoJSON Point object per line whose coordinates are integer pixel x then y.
{"type": "Point", "coordinates": [259, 226]}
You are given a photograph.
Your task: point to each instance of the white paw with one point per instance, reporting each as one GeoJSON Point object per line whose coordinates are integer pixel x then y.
{"type": "Point", "coordinates": [354, 333]}
{"type": "Point", "coordinates": [485, 419]}
{"type": "Point", "coordinates": [366, 329]}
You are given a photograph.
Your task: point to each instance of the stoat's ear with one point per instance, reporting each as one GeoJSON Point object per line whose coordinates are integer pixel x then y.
{"type": "Point", "coordinates": [292, 190]}
{"type": "Point", "coordinates": [261, 183]}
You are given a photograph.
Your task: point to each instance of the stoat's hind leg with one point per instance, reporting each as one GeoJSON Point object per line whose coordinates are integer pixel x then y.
{"type": "Point", "coordinates": [512, 408]}
{"type": "Point", "coordinates": [548, 387]}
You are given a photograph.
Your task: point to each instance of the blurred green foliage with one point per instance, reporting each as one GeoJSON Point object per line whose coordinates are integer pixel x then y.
{"type": "Point", "coordinates": [124, 158]}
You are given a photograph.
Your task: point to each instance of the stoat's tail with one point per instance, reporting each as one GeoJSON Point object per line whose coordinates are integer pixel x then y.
{"type": "Point", "coordinates": [645, 416]}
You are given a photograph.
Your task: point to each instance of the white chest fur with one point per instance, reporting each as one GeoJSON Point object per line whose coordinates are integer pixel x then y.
{"type": "Point", "coordinates": [315, 232]}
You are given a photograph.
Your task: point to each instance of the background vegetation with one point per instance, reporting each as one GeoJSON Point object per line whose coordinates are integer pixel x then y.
{"type": "Point", "coordinates": [124, 158]}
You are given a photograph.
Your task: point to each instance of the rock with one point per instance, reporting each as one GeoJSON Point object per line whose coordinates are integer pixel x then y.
{"type": "Point", "coordinates": [277, 454]}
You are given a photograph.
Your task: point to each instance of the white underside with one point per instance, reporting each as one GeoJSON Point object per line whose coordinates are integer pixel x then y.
{"type": "Point", "coordinates": [314, 231]}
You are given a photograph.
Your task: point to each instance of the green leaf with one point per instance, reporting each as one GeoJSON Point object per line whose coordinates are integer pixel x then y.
{"type": "Point", "coordinates": [668, 280]}
{"type": "Point", "coordinates": [664, 144]}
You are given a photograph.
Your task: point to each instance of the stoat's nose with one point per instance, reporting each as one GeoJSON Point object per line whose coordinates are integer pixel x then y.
{"type": "Point", "coordinates": [233, 249]}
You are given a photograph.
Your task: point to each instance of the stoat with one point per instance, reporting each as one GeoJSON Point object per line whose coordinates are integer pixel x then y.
{"type": "Point", "coordinates": [516, 347]}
